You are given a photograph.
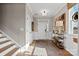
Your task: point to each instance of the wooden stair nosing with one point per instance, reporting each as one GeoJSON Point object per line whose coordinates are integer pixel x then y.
{"type": "Point", "coordinates": [0, 32]}
{"type": "Point", "coordinates": [6, 47]}
{"type": "Point", "coordinates": [3, 37]}
{"type": "Point", "coordinates": [11, 52]}
{"type": "Point", "coordinates": [4, 41]}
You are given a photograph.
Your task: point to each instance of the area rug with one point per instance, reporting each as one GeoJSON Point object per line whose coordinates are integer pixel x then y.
{"type": "Point", "coordinates": [39, 52]}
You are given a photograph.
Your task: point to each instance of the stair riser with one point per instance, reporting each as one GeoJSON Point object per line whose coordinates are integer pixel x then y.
{"type": "Point", "coordinates": [14, 54]}
{"type": "Point", "coordinates": [6, 47]}
{"type": "Point", "coordinates": [3, 39]}
{"type": "Point", "coordinates": [11, 52]}
{"type": "Point", "coordinates": [1, 35]}
{"type": "Point", "coordinates": [8, 50]}
{"type": "Point", "coordinates": [5, 44]}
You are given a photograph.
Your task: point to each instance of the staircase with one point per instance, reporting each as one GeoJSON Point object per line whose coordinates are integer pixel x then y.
{"type": "Point", "coordinates": [29, 51]}
{"type": "Point", "coordinates": [7, 46]}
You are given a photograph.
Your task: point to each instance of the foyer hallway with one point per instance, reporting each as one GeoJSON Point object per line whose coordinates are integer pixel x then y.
{"type": "Point", "coordinates": [39, 24]}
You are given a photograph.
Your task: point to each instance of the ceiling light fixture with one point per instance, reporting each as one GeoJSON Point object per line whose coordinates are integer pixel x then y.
{"type": "Point", "coordinates": [44, 12]}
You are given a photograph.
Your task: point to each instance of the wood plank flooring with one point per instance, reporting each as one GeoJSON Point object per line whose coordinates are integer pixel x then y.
{"type": "Point", "coordinates": [51, 48]}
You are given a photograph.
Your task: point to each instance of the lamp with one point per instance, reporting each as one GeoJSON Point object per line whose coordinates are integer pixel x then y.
{"type": "Point", "coordinates": [59, 23]}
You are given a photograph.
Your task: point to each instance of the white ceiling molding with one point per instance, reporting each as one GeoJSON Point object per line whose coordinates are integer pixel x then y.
{"type": "Point", "coordinates": [29, 7]}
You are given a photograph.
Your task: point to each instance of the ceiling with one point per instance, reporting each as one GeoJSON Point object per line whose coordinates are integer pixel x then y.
{"type": "Point", "coordinates": [51, 8]}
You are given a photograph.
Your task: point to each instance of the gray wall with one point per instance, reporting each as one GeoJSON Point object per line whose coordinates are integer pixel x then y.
{"type": "Point", "coordinates": [13, 21]}
{"type": "Point", "coordinates": [0, 14]}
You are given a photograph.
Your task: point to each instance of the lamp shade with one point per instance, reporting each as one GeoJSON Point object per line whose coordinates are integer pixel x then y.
{"type": "Point", "coordinates": [59, 23]}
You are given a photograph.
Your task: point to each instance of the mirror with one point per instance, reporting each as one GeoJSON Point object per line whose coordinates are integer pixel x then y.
{"type": "Point", "coordinates": [75, 16]}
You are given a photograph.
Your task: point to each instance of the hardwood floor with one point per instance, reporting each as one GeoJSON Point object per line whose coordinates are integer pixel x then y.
{"type": "Point", "coordinates": [51, 48]}
{"type": "Point", "coordinates": [44, 48]}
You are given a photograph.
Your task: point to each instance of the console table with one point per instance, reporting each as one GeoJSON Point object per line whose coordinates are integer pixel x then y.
{"type": "Point", "coordinates": [59, 41]}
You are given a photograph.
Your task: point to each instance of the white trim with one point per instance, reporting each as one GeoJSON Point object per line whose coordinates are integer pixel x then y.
{"type": "Point", "coordinates": [24, 48]}
{"type": "Point", "coordinates": [3, 39]}
{"type": "Point", "coordinates": [0, 55]}
{"type": "Point", "coordinates": [20, 50]}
